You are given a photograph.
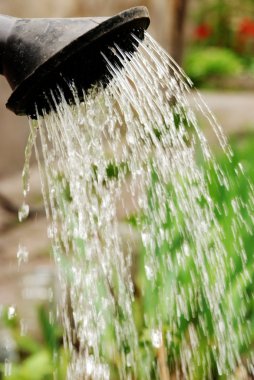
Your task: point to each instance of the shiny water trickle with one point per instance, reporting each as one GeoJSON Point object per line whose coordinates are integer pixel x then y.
{"type": "Point", "coordinates": [126, 156]}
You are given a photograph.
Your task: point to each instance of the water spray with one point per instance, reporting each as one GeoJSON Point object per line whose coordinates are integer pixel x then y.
{"type": "Point", "coordinates": [37, 55]}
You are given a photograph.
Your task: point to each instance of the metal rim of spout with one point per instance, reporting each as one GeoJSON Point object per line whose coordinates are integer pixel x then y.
{"type": "Point", "coordinates": [33, 89]}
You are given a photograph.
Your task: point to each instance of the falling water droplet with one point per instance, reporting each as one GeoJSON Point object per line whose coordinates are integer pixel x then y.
{"type": "Point", "coordinates": [23, 327]}
{"type": "Point", "coordinates": [129, 360]}
{"type": "Point", "coordinates": [11, 312]}
{"type": "Point", "coordinates": [145, 238]}
{"type": "Point", "coordinates": [156, 338]}
{"type": "Point", "coordinates": [22, 255]}
{"type": "Point", "coordinates": [7, 368]}
{"type": "Point", "coordinates": [23, 212]}
{"type": "Point", "coordinates": [149, 272]}
{"type": "Point", "coordinates": [90, 365]}
{"type": "Point", "coordinates": [51, 231]}
{"type": "Point", "coordinates": [169, 337]}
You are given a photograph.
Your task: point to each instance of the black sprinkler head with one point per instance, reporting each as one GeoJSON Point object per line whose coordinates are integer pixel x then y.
{"type": "Point", "coordinates": [38, 56]}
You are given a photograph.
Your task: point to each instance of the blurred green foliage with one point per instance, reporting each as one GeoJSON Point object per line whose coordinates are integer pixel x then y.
{"type": "Point", "coordinates": [211, 62]}
{"type": "Point", "coordinates": [221, 42]}
{"type": "Point", "coordinates": [36, 360]}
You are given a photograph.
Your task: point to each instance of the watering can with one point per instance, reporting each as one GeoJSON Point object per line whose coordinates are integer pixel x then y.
{"type": "Point", "coordinates": [39, 56]}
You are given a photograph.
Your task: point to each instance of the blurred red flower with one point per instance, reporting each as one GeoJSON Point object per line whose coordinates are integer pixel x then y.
{"type": "Point", "coordinates": [246, 28]}
{"type": "Point", "coordinates": [202, 31]}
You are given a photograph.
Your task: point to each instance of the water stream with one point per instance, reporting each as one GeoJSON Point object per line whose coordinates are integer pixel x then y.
{"type": "Point", "coordinates": [142, 260]}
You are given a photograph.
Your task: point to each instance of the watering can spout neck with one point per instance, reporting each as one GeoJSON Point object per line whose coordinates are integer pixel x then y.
{"type": "Point", "coordinates": [6, 24]}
